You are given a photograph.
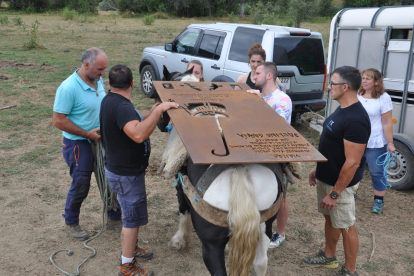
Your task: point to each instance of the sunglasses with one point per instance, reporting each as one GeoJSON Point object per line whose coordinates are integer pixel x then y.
{"type": "Point", "coordinates": [340, 83]}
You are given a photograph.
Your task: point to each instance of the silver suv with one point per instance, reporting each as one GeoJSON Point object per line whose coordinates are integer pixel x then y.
{"type": "Point", "coordinates": [222, 48]}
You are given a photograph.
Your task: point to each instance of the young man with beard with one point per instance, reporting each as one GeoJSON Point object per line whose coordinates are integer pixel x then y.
{"type": "Point", "coordinates": [265, 79]}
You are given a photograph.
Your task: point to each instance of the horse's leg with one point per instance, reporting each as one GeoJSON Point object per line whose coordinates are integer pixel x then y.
{"type": "Point", "coordinates": [214, 239]}
{"type": "Point", "coordinates": [260, 261]}
{"type": "Point", "coordinates": [269, 223]}
{"type": "Point", "coordinates": [181, 239]}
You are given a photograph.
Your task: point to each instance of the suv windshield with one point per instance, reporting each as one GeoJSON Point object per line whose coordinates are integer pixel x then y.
{"type": "Point", "coordinates": [186, 41]}
{"type": "Point", "coordinates": [304, 53]}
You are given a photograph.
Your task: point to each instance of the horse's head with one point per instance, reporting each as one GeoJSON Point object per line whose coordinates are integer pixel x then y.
{"type": "Point", "coordinates": [177, 76]}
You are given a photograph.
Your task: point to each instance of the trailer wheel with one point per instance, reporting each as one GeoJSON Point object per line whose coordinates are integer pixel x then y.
{"type": "Point", "coordinates": [401, 176]}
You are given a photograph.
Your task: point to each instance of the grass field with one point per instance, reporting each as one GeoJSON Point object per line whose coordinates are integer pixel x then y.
{"type": "Point", "coordinates": [34, 177]}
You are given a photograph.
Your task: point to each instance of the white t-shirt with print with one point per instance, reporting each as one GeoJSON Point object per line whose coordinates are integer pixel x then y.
{"type": "Point", "coordinates": [281, 103]}
{"type": "Point", "coordinates": [375, 108]}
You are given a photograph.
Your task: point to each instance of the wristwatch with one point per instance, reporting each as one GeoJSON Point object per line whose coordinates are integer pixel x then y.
{"type": "Point", "coordinates": [334, 195]}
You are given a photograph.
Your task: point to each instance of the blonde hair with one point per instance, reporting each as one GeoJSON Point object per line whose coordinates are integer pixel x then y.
{"type": "Point", "coordinates": [378, 88]}
{"type": "Point", "coordinates": [196, 61]}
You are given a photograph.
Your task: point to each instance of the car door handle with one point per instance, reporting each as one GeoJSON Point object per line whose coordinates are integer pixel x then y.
{"type": "Point", "coordinates": [215, 66]}
{"type": "Point", "coordinates": [184, 60]}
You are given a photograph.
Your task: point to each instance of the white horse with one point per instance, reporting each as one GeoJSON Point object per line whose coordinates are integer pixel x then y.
{"type": "Point", "coordinates": [241, 190]}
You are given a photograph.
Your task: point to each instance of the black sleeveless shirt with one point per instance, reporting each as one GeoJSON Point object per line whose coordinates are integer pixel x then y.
{"type": "Point", "coordinates": [251, 84]}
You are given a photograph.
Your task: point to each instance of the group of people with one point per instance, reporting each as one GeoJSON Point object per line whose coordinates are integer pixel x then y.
{"type": "Point", "coordinates": [81, 107]}
{"type": "Point", "coordinates": [360, 129]}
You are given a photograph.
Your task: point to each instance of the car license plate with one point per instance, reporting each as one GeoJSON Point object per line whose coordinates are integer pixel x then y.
{"type": "Point", "coordinates": [285, 81]}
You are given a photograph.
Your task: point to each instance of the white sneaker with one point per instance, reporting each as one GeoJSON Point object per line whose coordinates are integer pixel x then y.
{"type": "Point", "coordinates": [276, 240]}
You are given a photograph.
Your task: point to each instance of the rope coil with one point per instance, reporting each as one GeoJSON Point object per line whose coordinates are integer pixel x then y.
{"type": "Point", "coordinates": [109, 202]}
{"type": "Point", "coordinates": [390, 160]}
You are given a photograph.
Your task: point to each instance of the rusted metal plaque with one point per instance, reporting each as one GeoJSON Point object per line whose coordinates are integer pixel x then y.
{"type": "Point", "coordinates": [252, 131]}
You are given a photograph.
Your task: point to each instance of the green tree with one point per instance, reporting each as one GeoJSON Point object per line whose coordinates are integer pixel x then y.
{"type": "Point", "coordinates": [325, 7]}
{"type": "Point", "coordinates": [369, 3]}
{"type": "Point", "coordinates": [33, 5]}
{"type": "Point", "coordinates": [264, 13]}
{"type": "Point", "coordinates": [300, 10]}
{"type": "Point", "coordinates": [283, 5]}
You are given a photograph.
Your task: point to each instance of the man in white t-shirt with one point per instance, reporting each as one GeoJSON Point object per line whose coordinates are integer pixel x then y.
{"type": "Point", "coordinates": [277, 99]}
{"type": "Point", "coordinates": [265, 78]}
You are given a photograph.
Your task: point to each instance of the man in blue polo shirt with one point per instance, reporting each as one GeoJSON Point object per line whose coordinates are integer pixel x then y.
{"type": "Point", "coordinates": [76, 113]}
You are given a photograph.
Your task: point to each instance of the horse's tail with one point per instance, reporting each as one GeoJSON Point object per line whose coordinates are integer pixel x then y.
{"type": "Point", "coordinates": [244, 222]}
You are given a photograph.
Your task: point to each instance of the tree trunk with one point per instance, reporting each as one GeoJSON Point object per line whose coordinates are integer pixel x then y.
{"type": "Point", "coordinates": [242, 9]}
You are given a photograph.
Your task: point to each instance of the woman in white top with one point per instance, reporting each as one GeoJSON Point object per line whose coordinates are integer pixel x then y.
{"type": "Point", "coordinates": [378, 105]}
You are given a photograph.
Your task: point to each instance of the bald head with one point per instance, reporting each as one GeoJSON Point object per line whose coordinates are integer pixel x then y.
{"type": "Point", "coordinates": [91, 54]}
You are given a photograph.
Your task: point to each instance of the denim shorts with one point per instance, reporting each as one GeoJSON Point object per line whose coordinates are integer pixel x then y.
{"type": "Point", "coordinates": [343, 215]}
{"type": "Point", "coordinates": [376, 171]}
{"type": "Point", "coordinates": [132, 198]}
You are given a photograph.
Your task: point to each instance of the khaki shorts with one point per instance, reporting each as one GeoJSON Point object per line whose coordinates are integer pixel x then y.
{"type": "Point", "coordinates": [343, 215]}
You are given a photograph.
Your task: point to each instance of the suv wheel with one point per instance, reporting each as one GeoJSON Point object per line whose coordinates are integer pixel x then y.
{"type": "Point", "coordinates": [147, 76]}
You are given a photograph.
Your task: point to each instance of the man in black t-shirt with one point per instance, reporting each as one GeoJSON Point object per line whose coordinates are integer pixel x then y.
{"type": "Point", "coordinates": [125, 137]}
{"type": "Point", "coordinates": [343, 141]}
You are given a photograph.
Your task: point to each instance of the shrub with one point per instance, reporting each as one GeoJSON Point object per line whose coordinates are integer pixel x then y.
{"type": "Point", "coordinates": [58, 4]}
{"type": "Point", "coordinates": [124, 6]}
{"type": "Point", "coordinates": [32, 42]}
{"type": "Point", "coordinates": [269, 19]}
{"type": "Point", "coordinates": [127, 14]}
{"type": "Point", "coordinates": [160, 15]}
{"type": "Point", "coordinates": [18, 21]}
{"type": "Point", "coordinates": [83, 6]}
{"type": "Point", "coordinates": [148, 19]}
{"type": "Point", "coordinates": [300, 10]}
{"type": "Point", "coordinates": [289, 22]}
{"type": "Point", "coordinates": [263, 12]}
{"type": "Point", "coordinates": [68, 14]}
{"type": "Point", "coordinates": [30, 10]}
{"type": "Point", "coordinates": [107, 5]}
{"type": "Point", "coordinates": [85, 17]}
{"type": "Point", "coordinates": [283, 5]}
{"type": "Point", "coordinates": [4, 20]}
{"type": "Point", "coordinates": [233, 18]}
{"type": "Point", "coordinates": [325, 8]}
{"type": "Point", "coordinates": [256, 13]}
{"type": "Point", "coordinates": [30, 6]}
{"type": "Point", "coordinates": [369, 3]}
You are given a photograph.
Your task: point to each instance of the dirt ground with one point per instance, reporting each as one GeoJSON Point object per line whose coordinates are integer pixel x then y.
{"type": "Point", "coordinates": [31, 227]}
{"type": "Point", "coordinates": [34, 178]}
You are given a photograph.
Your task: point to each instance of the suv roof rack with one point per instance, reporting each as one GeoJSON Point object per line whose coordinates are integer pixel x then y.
{"type": "Point", "coordinates": [259, 27]}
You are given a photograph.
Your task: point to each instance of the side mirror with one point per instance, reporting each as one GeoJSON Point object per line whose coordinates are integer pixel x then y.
{"type": "Point", "coordinates": [168, 47]}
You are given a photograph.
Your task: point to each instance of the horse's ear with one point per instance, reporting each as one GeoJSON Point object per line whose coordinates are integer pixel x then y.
{"type": "Point", "coordinates": [166, 73]}
{"type": "Point", "coordinates": [189, 71]}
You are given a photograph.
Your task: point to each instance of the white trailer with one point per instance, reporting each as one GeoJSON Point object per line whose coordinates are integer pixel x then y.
{"type": "Point", "coordinates": [381, 38]}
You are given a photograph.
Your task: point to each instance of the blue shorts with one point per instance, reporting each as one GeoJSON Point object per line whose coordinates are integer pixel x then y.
{"type": "Point", "coordinates": [132, 198]}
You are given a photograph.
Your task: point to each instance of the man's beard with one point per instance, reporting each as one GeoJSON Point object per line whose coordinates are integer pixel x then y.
{"type": "Point", "coordinates": [258, 85]}
{"type": "Point", "coordinates": [93, 78]}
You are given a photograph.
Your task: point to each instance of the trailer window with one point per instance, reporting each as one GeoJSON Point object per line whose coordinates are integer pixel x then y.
{"type": "Point", "coordinates": [401, 34]}
{"type": "Point", "coordinates": [305, 53]}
